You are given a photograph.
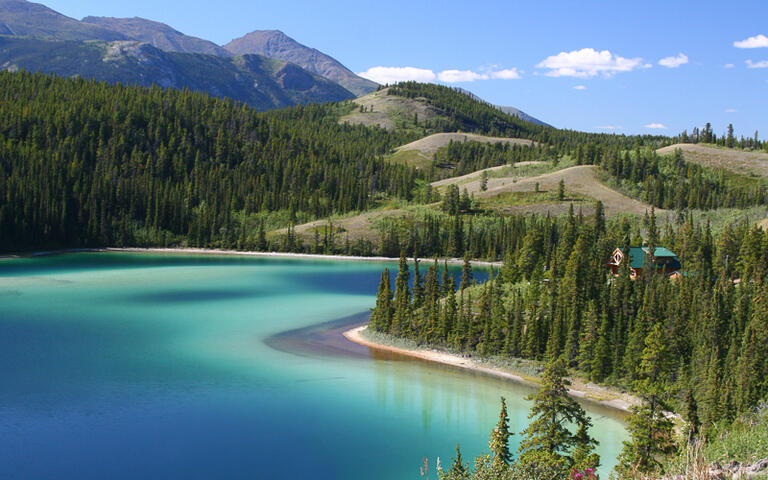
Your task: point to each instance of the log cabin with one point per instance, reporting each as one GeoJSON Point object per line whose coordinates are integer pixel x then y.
{"type": "Point", "coordinates": [665, 260]}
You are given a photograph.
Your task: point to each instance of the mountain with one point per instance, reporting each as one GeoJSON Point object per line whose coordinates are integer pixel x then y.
{"type": "Point", "coordinates": [522, 115]}
{"type": "Point", "coordinates": [508, 110]}
{"type": "Point", "coordinates": [158, 34]}
{"type": "Point", "coordinates": [276, 44]}
{"type": "Point", "coordinates": [22, 18]}
{"type": "Point", "coordinates": [261, 82]}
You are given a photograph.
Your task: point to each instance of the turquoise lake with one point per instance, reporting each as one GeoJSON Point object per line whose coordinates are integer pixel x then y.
{"type": "Point", "coordinates": [125, 366]}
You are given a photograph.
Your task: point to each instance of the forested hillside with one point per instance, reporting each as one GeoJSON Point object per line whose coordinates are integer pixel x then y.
{"type": "Point", "coordinates": [85, 163]}
{"type": "Point", "coordinates": [555, 298]}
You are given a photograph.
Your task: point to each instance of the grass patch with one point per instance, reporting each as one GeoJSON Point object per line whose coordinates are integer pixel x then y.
{"type": "Point", "coordinates": [745, 441]}
{"type": "Point", "coordinates": [413, 158]}
{"type": "Point", "coordinates": [517, 199]}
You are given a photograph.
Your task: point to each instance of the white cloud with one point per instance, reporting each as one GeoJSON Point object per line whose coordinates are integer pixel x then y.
{"type": "Point", "coordinates": [656, 126]}
{"type": "Point", "coordinates": [608, 127]}
{"type": "Point", "coordinates": [386, 75]}
{"type": "Point", "coordinates": [760, 64]}
{"type": "Point", "coordinates": [729, 65]}
{"type": "Point", "coordinates": [457, 76]}
{"type": "Point", "coordinates": [588, 62]}
{"type": "Point", "coordinates": [580, 87]}
{"type": "Point", "coordinates": [506, 74]}
{"type": "Point", "coordinates": [674, 62]}
{"type": "Point", "coordinates": [758, 41]}
{"type": "Point", "coordinates": [730, 110]}
{"type": "Point", "coordinates": [389, 75]}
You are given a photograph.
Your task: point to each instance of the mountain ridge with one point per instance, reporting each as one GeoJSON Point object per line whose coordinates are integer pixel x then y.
{"type": "Point", "coordinates": [27, 19]}
{"type": "Point", "coordinates": [260, 82]}
{"type": "Point", "coordinates": [160, 35]}
{"type": "Point", "coordinates": [276, 44]}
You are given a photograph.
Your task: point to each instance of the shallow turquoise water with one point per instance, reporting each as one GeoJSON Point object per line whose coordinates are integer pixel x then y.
{"type": "Point", "coordinates": [157, 366]}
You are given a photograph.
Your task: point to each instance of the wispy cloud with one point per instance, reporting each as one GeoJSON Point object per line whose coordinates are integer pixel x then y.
{"type": "Point", "coordinates": [656, 126]}
{"type": "Point", "coordinates": [388, 75]}
{"type": "Point", "coordinates": [729, 65]}
{"type": "Point", "coordinates": [758, 41]}
{"type": "Point", "coordinates": [760, 64]}
{"type": "Point", "coordinates": [580, 87]}
{"type": "Point", "coordinates": [730, 110]}
{"type": "Point", "coordinates": [608, 127]}
{"type": "Point", "coordinates": [588, 62]}
{"type": "Point", "coordinates": [674, 62]}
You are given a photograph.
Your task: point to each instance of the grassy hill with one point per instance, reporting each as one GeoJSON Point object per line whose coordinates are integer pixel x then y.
{"type": "Point", "coordinates": [421, 153]}
{"type": "Point", "coordinates": [384, 110]}
{"type": "Point", "coordinates": [737, 161]}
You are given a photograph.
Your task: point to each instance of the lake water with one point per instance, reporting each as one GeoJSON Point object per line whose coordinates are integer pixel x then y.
{"type": "Point", "coordinates": [118, 365]}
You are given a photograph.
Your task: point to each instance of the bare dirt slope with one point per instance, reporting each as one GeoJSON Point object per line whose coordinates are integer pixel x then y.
{"type": "Point", "coordinates": [581, 180]}
{"type": "Point", "coordinates": [431, 144]}
{"type": "Point", "coordinates": [359, 227]}
{"type": "Point", "coordinates": [763, 224]}
{"type": "Point", "coordinates": [420, 153]}
{"type": "Point", "coordinates": [478, 174]}
{"type": "Point", "coordinates": [383, 110]}
{"type": "Point", "coordinates": [737, 161]}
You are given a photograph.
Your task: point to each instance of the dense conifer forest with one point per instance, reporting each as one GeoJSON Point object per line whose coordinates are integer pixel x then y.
{"type": "Point", "coordinates": [691, 345]}
{"type": "Point", "coordinates": [85, 164]}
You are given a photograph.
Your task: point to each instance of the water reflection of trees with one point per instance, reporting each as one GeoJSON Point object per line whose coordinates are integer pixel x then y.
{"type": "Point", "coordinates": [461, 398]}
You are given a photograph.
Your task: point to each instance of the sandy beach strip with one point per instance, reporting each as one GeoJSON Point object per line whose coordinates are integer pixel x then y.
{"type": "Point", "coordinates": [586, 391]}
{"type": "Point", "coordinates": [211, 251]}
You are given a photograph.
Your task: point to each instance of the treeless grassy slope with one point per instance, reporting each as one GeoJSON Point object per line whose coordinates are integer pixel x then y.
{"type": "Point", "coordinates": [581, 180]}
{"type": "Point", "coordinates": [358, 227]}
{"type": "Point", "coordinates": [420, 153]}
{"type": "Point", "coordinates": [478, 174]}
{"type": "Point", "coordinates": [385, 110]}
{"type": "Point", "coordinates": [431, 144]}
{"type": "Point", "coordinates": [737, 161]}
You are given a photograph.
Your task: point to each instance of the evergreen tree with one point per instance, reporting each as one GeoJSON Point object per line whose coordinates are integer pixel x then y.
{"type": "Point", "coordinates": [692, 416]}
{"type": "Point", "coordinates": [650, 429]}
{"type": "Point", "coordinates": [459, 470]}
{"type": "Point", "coordinates": [547, 440]}
{"type": "Point", "coordinates": [466, 273]}
{"type": "Point", "coordinates": [401, 321]}
{"type": "Point", "coordinates": [499, 443]}
{"type": "Point", "coordinates": [418, 290]}
{"type": "Point", "coordinates": [381, 317]}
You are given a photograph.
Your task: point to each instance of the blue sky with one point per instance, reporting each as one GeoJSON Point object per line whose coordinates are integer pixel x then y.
{"type": "Point", "coordinates": [584, 65]}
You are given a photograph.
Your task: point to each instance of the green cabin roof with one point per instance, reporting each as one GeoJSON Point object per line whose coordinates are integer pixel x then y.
{"type": "Point", "coordinates": [664, 258]}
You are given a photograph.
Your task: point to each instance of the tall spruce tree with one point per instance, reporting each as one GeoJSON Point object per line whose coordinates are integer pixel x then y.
{"type": "Point", "coordinates": [458, 471]}
{"type": "Point", "coordinates": [402, 314]}
{"type": "Point", "coordinates": [499, 443]}
{"type": "Point", "coordinates": [466, 273]}
{"type": "Point", "coordinates": [381, 317]}
{"type": "Point", "coordinates": [650, 429]}
{"type": "Point", "coordinates": [548, 441]}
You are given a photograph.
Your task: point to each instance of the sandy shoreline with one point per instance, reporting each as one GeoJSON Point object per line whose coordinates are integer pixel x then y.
{"type": "Point", "coordinates": [210, 251]}
{"type": "Point", "coordinates": [589, 392]}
